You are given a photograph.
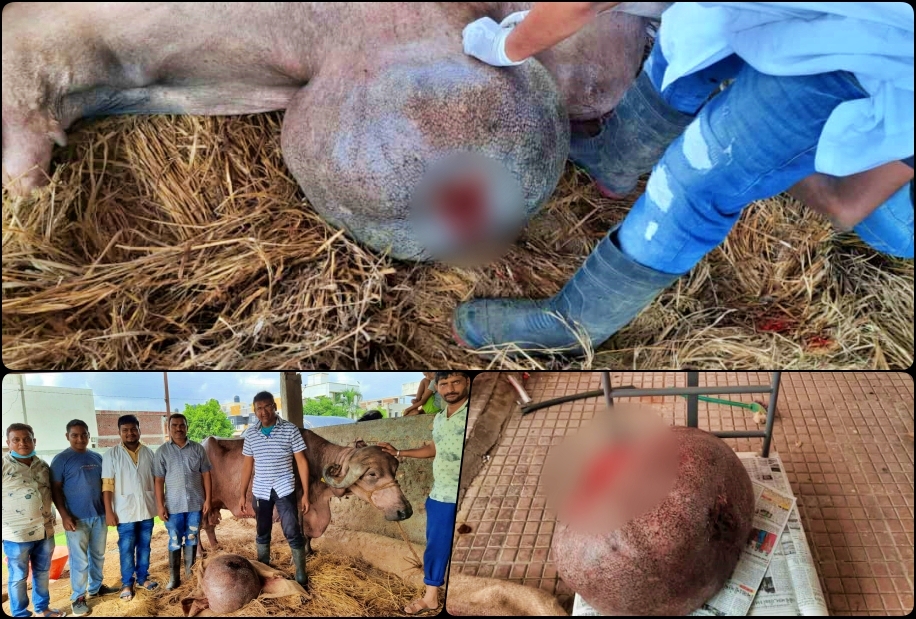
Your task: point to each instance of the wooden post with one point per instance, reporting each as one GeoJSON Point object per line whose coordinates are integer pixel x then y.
{"type": "Point", "coordinates": [291, 396]}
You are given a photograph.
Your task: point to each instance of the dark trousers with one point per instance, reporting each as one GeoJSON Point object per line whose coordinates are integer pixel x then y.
{"type": "Point", "coordinates": [289, 518]}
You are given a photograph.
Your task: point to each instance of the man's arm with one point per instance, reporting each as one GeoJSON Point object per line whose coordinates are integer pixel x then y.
{"type": "Point", "coordinates": [57, 494]}
{"type": "Point", "coordinates": [111, 518]}
{"type": "Point", "coordinates": [247, 470]}
{"type": "Point", "coordinates": [160, 498]}
{"type": "Point", "coordinates": [303, 465]}
{"type": "Point", "coordinates": [206, 477]}
{"type": "Point", "coordinates": [847, 200]}
{"type": "Point", "coordinates": [427, 451]}
{"type": "Point", "coordinates": [548, 23]}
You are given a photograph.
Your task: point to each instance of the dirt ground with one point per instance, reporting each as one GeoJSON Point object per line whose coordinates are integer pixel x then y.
{"type": "Point", "coordinates": [340, 586]}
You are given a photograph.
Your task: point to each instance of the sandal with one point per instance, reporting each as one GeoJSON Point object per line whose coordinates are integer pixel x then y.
{"type": "Point", "coordinates": [419, 606]}
{"type": "Point", "coordinates": [149, 585]}
{"type": "Point", "coordinates": [52, 612]}
{"type": "Point", "coordinates": [127, 594]}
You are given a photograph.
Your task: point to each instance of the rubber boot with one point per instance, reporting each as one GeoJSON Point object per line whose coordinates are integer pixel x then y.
{"type": "Point", "coordinates": [190, 556]}
{"type": "Point", "coordinates": [299, 561]}
{"type": "Point", "coordinates": [606, 293]}
{"type": "Point", "coordinates": [264, 554]}
{"type": "Point", "coordinates": [632, 139]}
{"type": "Point", "coordinates": [174, 570]}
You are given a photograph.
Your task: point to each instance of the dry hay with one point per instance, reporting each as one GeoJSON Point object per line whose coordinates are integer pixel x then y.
{"type": "Point", "coordinates": [340, 585]}
{"type": "Point", "coordinates": [182, 242]}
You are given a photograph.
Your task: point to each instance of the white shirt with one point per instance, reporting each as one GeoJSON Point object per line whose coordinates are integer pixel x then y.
{"type": "Point", "coordinates": [871, 40]}
{"type": "Point", "coordinates": [134, 497]}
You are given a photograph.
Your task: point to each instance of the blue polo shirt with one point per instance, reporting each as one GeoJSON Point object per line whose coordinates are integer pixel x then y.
{"type": "Point", "coordinates": [81, 475]}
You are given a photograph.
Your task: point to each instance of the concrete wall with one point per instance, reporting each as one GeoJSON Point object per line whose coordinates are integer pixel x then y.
{"type": "Point", "coordinates": [415, 476]}
{"type": "Point", "coordinates": [47, 410]}
{"type": "Point", "coordinates": [152, 427]}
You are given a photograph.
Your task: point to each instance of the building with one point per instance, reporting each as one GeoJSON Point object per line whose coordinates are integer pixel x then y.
{"type": "Point", "coordinates": [153, 427]}
{"type": "Point", "coordinates": [236, 408]}
{"type": "Point", "coordinates": [410, 390]}
{"type": "Point", "coordinates": [47, 410]}
{"type": "Point", "coordinates": [392, 405]}
{"type": "Point", "coordinates": [320, 384]}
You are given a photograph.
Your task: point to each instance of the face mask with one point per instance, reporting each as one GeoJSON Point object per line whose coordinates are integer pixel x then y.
{"type": "Point", "coordinates": [15, 455]}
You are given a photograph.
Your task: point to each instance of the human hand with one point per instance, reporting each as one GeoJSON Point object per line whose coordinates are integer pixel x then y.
{"type": "Point", "coordinates": [68, 522]}
{"type": "Point", "coordinates": [111, 519]}
{"type": "Point", "coordinates": [243, 507]}
{"type": "Point", "coordinates": [485, 40]}
{"type": "Point", "coordinates": [305, 501]}
{"type": "Point", "coordinates": [388, 449]}
{"type": "Point", "coordinates": [163, 514]}
{"type": "Point", "coordinates": [206, 509]}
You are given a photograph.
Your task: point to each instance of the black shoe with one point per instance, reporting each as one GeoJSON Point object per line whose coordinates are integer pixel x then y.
{"type": "Point", "coordinates": [103, 590]}
{"type": "Point", "coordinates": [264, 554]}
{"type": "Point", "coordinates": [190, 556]}
{"type": "Point", "coordinates": [299, 561]}
{"type": "Point", "coordinates": [174, 570]}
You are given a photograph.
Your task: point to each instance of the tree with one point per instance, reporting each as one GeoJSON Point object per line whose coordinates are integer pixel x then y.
{"type": "Point", "coordinates": [349, 399]}
{"type": "Point", "coordinates": [207, 420]}
{"type": "Point", "coordinates": [323, 406]}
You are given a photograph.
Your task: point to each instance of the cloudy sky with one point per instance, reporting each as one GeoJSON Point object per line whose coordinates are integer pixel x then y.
{"type": "Point", "coordinates": [139, 391]}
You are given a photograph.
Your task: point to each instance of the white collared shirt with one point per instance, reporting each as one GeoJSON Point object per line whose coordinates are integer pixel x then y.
{"type": "Point", "coordinates": [134, 497]}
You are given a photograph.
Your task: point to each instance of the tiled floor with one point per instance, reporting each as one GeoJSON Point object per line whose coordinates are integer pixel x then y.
{"type": "Point", "coordinates": [843, 439]}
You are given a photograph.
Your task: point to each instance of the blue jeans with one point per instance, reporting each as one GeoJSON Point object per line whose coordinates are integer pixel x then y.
{"type": "Point", "coordinates": [19, 555]}
{"type": "Point", "coordinates": [440, 526]}
{"type": "Point", "coordinates": [183, 527]}
{"type": "Point", "coordinates": [752, 141]}
{"type": "Point", "coordinates": [133, 539]}
{"type": "Point", "coordinates": [86, 546]}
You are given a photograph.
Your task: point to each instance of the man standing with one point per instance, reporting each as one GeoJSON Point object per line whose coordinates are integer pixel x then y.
{"type": "Point", "coordinates": [130, 503]}
{"type": "Point", "coordinates": [76, 486]}
{"type": "Point", "coordinates": [28, 522]}
{"type": "Point", "coordinates": [270, 447]}
{"type": "Point", "coordinates": [446, 448]}
{"type": "Point", "coordinates": [183, 467]}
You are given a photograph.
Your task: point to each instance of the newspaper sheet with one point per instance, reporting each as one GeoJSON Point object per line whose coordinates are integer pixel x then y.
{"type": "Point", "coordinates": [791, 586]}
{"type": "Point", "coordinates": [776, 573]}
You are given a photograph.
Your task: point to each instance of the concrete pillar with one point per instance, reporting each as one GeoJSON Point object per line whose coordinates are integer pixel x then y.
{"type": "Point", "coordinates": [291, 396]}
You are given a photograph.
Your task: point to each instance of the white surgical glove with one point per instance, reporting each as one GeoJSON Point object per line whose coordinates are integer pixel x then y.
{"type": "Point", "coordinates": [485, 40]}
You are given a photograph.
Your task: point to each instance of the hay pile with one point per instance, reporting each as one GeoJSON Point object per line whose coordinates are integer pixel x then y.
{"type": "Point", "coordinates": [182, 242]}
{"type": "Point", "coordinates": [340, 586]}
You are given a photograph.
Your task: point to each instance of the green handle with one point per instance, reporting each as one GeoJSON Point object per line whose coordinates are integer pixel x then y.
{"type": "Point", "coordinates": [754, 406]}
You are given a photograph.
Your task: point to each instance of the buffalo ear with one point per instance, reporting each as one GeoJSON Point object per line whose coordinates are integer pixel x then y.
{"type": "Point", "coordinates": [359, 443]}
{"type": "Point", "coordinates": [333, 470]}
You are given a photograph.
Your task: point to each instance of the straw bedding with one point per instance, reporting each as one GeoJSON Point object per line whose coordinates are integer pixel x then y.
{"type": "Point", "coordinates": [183, 242]}
{"type": "Point", "coordinates": [340, 586]}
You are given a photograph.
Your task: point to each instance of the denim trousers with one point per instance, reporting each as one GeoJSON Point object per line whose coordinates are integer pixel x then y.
{"type": "Point", "coordinates": [86, 546]}
{"type": "Point", "coordinates": [133, 546]}
{"type": "Point", "coordinates": [183, 528]}
{"type": "Point", "coordinates": [440, 525]}
{"type": "Point", "coordinates": [752, 141]}
{"type": "Point", "coordinates": [39, 553]}
{"type": "Point", "coordinates": [289, 518]}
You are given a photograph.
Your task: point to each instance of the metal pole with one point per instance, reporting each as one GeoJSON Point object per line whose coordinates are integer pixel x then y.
{"type": "Point", "coordinates": [165, 380]}
{"type": "Point", "coordinates": [606, 385]}
{"type": "Point", "coordinates": [693, 380]}
{"type": "Point", "coordinates": [771, 414]}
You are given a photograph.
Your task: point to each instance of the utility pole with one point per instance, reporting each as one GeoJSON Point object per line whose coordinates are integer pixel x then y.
{"type": "Point", "coordinates": [165, 380]}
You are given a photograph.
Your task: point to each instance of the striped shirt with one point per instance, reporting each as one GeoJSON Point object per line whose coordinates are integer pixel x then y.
{"type": "Point", "coordinates": [27, 514]}
{"type": "Point", "coordinates": [273, 457]}
{"type": "Point", "coordinates": [448, 435]}
{"type": "Point", "coordinates": [182, 468]}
